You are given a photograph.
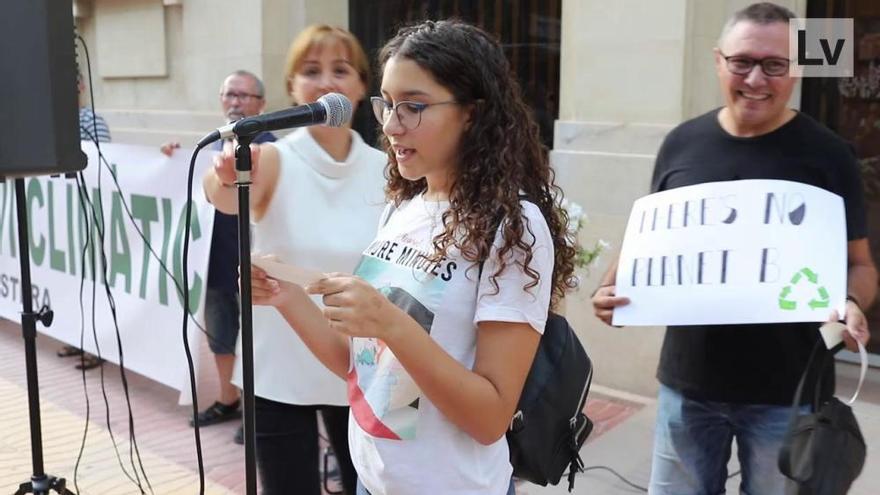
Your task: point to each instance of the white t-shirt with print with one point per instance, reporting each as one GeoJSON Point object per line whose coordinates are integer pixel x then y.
{"type": "Point", "coordinates": [400, 442]}
{"type": "Point", "coordinates": [321, 215]}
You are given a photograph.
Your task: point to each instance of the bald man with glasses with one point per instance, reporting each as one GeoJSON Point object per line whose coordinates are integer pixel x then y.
{"type": "Point", "coordinates": [720, 382]}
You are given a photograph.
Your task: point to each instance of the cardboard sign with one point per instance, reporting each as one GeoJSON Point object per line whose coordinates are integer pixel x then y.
{"type": "Point", "coordinates": [747, 251]}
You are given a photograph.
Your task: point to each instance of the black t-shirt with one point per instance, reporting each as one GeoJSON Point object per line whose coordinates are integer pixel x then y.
{"type": "Point", "coordinates": [754, 364]}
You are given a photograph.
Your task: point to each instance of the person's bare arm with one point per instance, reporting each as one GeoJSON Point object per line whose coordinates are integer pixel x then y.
{"type": "Point", "coordinates": [219, 181]}
{"type": "Point", "coordinates": [304, 317]}
{"type": "Point", "coordinates": [480, 401]}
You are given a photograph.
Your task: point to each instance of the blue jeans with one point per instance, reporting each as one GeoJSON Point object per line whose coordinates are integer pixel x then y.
{"type": "Point", "coordinates": [363, 491]}
{"type": "Point", "coordinates": [221, 320]}
{"type": "Point", "coordinates": [692, 443]}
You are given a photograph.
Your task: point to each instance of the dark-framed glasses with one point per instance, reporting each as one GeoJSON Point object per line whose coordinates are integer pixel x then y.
{"type": "Point", "coordinates": [232, 95]}
{"type": "Point", "coordinates": [409, 113]}
{"type": "Point", "coordinates": [770, 66]}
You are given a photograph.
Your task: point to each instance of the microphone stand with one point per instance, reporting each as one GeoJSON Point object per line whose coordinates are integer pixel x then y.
{"type": "Point", "coordinates": [40, 483]}
{"type": "Point", "coordinates": [243, 183]}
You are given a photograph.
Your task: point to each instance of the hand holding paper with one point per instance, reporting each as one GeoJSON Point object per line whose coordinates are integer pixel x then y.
{"type": "Point", "coordinates": [275, 268]}
{"type": "Point", "coordinates": [272, 281]}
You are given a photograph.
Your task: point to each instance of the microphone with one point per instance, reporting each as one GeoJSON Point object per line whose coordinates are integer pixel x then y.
{"type": "Point", "coordinates": [332, 109]}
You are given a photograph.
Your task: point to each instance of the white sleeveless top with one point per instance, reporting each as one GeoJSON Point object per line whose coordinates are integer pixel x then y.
{"type": "Point", "coordinates": [322, 215]}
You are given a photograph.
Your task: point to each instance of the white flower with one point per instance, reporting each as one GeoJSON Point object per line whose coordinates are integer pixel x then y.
{"type": "Point", "coordinates": [576, 216]}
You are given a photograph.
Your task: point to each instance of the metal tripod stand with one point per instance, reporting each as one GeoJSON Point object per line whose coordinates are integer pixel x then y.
{"type": "Point", "coordinates": [40, 483]}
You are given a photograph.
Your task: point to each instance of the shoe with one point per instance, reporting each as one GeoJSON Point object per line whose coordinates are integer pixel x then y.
{"type": "Point", "coordinates": [239, 436]}
{"type": "Point", "coordinates": [68, 351]}
{"type": "Point", "coordinates": [89, 361]}
{"type": "Point", "coordinates": [217, 413]}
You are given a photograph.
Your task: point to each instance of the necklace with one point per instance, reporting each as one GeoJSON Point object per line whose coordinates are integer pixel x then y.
{"type": "Point", "coordinates": [433, 211]}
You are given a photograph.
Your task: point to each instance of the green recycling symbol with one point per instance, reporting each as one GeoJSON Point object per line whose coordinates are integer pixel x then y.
{"type": "Point", "coordinates": [805, 273]}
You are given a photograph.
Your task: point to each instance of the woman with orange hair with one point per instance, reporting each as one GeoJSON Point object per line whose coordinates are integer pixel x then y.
{"type": "Point", "coordinates": [315, 200]}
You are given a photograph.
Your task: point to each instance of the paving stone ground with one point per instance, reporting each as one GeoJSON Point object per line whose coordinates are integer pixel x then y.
{"type": "Point", "coordinates": [164, 438]}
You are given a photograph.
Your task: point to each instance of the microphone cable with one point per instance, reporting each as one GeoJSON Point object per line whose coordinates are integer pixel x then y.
{"type": "Point", "coordinates": [155, 255]}
{"type": "Point", "coordinates": [82, 331]}
{"type": "Point", "coordinates": [189, 360]}
{"type": "Point", "coordinates": [98, 219]}
{"type": "Point", "coordinates": [90, 246]}
{"type": "Point", "coordinates": [182, 290]}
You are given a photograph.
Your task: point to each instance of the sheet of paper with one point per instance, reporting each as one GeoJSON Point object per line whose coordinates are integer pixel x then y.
{"type": "Point", "coordinates": [288, 273]}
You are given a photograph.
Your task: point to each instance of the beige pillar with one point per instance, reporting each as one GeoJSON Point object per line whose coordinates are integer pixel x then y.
{"type": "Point", "coordinates": [621, 91]}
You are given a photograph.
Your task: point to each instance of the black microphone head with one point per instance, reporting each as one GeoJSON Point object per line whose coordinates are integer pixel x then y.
{"type": "Point", "coordinates": [338, 109]}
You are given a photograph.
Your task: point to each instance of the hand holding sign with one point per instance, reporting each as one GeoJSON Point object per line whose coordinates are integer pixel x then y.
{"type": "Point", "coordinates": [605, 302]}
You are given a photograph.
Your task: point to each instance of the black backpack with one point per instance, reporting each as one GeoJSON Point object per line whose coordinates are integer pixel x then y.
{"type": "Point", "coordinates": [823, 452]}
{"type": "Point", "coordinates": [549, 426]}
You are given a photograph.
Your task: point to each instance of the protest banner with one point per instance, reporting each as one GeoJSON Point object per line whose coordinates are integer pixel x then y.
{"type": "Point", "coordinates": [148, 304]}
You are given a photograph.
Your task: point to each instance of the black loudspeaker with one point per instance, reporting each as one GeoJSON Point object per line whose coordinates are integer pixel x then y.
{"type": "Point", "coordinates": [39, 116]}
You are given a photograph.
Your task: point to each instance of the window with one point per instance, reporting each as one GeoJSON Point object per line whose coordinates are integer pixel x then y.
{"type": "Point", "coordinates": [529, 30]}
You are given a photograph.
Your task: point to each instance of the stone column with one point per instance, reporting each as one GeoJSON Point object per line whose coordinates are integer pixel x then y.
{"type": "Point", "coordinates": [621, 91]}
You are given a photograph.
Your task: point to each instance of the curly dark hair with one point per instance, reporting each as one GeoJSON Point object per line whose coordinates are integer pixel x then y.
{"type": "Point", "coordinates": [501, 154]}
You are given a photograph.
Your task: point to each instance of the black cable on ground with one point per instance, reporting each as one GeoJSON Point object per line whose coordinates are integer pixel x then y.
{"type": "Point", "coordinates": [615, 473]}
{"type": "Point", "coordinates": [626, 481]}
{"type": "Point", "coordinates": [181, 291]}
{"type": "Point", "coordinates": [86, 200]}
{"type": "Point", "coordinates": [184, 291]}
{"type": "Point", "coordinates": [99, 228]}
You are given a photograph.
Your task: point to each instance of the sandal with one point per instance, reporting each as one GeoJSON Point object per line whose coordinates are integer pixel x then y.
{"type": "Point", "coordinates": [217, 413]}
{"type": "Point", "coordinates": [68, 351]}
{"type": "Point", "coordinates": [89, 361]}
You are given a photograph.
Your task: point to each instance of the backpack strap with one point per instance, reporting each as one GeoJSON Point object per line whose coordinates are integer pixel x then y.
{"type": "Point", "coordinates": [832, 334]}
{"type": "Point", "coordinates": [863, 357]}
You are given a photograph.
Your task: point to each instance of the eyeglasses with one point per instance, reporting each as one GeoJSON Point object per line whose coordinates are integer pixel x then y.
{"type": "Point", "coordinates": [409, 113]}
{"type": "Point", "coordinates": [770, 66]}
{"type": "Point", "coordinates": [229, 96]}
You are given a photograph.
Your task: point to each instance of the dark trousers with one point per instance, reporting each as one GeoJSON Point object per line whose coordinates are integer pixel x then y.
{"type": "Point", "coordinates": [287, 447]}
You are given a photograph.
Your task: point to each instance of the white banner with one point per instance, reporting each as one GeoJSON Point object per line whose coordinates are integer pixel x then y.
{"type": "Point", "coordinates": [747, 251]}
{"type": "Point", "coordinates": [149, 307]}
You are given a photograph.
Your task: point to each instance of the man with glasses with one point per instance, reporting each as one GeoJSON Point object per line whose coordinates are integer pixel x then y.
{"type": "Point", "coordinates": [241, 95]}
{"type": "Point", "coordinates": [724, 381]}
